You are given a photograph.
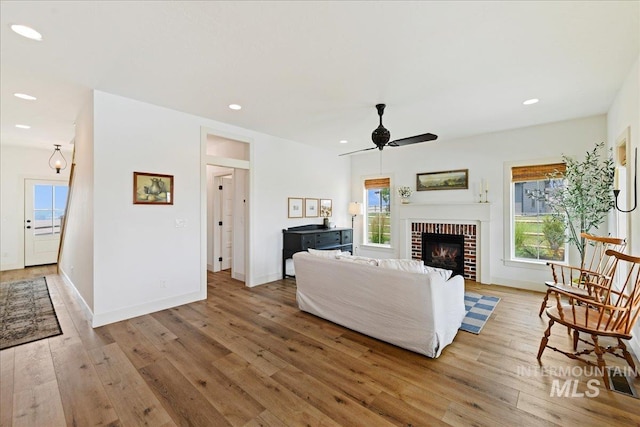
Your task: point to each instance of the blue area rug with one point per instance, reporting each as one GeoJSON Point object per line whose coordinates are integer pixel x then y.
{"type": "Point", "coordinates": [479, 308]}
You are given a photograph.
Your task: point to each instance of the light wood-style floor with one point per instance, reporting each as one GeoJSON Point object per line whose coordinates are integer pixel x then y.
{"type": "Point", "coordinates": [249, 357]}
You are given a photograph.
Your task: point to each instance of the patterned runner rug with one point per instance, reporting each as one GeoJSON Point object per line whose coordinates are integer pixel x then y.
{"type": "Point", "coordinates": [26, 312]}
{"type": "Point", "coordinates": [479, 308]}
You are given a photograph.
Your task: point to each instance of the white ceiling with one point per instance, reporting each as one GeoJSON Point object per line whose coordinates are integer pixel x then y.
{"type": "Point", "coordinates": [313, 71]}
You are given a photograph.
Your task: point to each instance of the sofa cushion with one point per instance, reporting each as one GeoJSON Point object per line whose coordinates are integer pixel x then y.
{"type": "Point", "coordinates": [332, 253]}
{"type": "Point", "coordinates": [446, 274]}
{"type": "Point", "coordinates": [357, 259]}
{"type": "Point", "coordinates": [410, 265]}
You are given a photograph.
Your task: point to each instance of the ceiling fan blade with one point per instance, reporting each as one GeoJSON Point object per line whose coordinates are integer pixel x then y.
{"type": "Point", "coordinates": [357, 151]}
{"type": "Point", "coordinates": [413, 140]}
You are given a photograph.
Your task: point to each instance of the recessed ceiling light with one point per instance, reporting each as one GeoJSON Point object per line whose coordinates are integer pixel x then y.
{"type": "Point", "coordinates": [27, 32]}
{"type": "Point", "coordinates": [25, 96]}
{"type": "Point", "coordinates": [23, 126]}
{"type": "Point", "coordinates": [531, 101]}
{"type": "Point", "coordinates": [343, 141]}
{"type": "Point", "coordinates": [235, 106]}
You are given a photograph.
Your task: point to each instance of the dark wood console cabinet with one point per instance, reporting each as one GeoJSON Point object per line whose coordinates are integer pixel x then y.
{"type": "Point", "coordinates": [314, 236]}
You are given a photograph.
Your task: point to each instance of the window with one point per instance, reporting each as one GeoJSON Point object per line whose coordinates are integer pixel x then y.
{"type": "Point", "coordinates": [536, 234]}
{"type": "Point", "coordinates": [378, 215]}
{"type": "Point", "coordinates": [49, 202]}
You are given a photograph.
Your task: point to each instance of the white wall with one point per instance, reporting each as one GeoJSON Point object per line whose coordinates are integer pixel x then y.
{"type": "Point", "coordinates": [16, 164]}
{"type": "Point", "coordinates": [625, 112]}
{"type": "Point", "coordinates": [77, 254]}
{"type": "Point", "coordinates": [485, 156]}
{"type": "Point", "coordinates": [141, 261]}
{"type": "Point", "coordinates": [283, 169]}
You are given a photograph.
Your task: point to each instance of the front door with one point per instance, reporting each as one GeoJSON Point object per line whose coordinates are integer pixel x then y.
{"type": "Point", "coordinates": [44, 205]}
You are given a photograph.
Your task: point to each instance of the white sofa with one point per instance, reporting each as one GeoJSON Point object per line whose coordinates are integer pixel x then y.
{"type": "Point", "coordinates": [417, 311]}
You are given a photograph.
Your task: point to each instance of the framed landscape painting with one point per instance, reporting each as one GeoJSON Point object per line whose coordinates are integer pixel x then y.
{"type": "Point", "coordinates": [445, 180]}
{"type": "Point", "coordinates": [152, 189]}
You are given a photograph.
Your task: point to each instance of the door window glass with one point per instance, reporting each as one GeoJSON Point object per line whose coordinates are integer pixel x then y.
{"type": "Point", "coordinates": [49, 202]}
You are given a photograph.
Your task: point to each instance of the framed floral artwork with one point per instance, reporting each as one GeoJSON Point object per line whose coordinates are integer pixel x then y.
{"type": "Point", "coordinates": [325, 208]}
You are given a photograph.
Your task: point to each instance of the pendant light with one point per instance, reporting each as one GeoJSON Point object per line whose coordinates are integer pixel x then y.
{"type": "Point", "coordinates": [57, 160]}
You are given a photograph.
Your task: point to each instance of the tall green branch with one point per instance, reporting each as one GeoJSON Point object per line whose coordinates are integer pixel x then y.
{"type": "Point", "coordinates": [586, 196]}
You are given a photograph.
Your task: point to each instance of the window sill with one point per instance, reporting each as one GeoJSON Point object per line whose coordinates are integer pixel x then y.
{"type": "Point", "coordinates": [375, 247]}
{"type": "Point", "coordinates": [532, 265]}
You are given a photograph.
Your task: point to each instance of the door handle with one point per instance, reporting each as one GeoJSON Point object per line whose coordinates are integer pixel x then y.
{"type": "Point", "coordinates": [28, 221]}
{"type": "Point", "coordinates": [28, 227]}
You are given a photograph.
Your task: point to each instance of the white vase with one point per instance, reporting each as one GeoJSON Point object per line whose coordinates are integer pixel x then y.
{"type": "Point", "coordinates": [405, 201]}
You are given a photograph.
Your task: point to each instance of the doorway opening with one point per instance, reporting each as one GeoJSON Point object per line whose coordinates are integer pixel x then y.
{"type": "Point", "coordinates": [227, 204]}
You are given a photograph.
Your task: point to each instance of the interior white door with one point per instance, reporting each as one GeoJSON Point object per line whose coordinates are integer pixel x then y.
{"type": "Point", "coordinates": [227, 221]}
{"type": "Point", "coordinates": [44, 205]}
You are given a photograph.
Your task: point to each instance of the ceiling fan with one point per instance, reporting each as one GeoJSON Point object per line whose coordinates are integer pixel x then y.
{"type": "Point", "coordinates": [381, 136]}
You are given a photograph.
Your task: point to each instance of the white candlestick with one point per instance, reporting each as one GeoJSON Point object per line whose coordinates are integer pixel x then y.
{"type": "Point", "coordinates": [616, 179]}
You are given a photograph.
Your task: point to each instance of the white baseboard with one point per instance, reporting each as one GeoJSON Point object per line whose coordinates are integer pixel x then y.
{"type": "Point", "coordinates": [264, 279]}
{"type": "Point", "coordinates": [69, 283]}
{"type": "Point", "coordinates": [238, 276]}
{"type": "Point", "coordinates": [519, 284]}
{"type": "Point", "coordinates": [101, 319]}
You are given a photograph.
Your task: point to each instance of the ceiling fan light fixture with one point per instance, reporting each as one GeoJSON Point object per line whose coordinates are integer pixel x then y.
{"type": "Point", "coordinates": [531, 101]}
{"type": "Point", "coordinates": [381, 136]}
{"type": "Point", "coordinates": [25, 96]}
{"type": "Point", "coordinates": [27, 32]}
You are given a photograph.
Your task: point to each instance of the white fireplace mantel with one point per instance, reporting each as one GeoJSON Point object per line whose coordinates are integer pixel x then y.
{"type": "Point", "coordinates": [450, 213]}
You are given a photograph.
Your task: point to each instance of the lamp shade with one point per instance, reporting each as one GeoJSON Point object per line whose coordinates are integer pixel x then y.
{"type": "Point", "coordinates": [355, 208]}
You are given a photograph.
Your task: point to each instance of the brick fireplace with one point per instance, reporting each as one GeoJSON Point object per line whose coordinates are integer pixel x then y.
{"type": "Point", "coordinates": [472, 220]}
{"type": "Point", "coordinates": [468, 233]}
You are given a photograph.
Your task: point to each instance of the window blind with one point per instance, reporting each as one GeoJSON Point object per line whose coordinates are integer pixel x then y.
{"type": "Point", "coordinates": [377, 183]}
{"type": "Point", "coordinates": [536, 172]}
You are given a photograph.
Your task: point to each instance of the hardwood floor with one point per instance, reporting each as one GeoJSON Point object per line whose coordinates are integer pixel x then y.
{"type": "Point", "coordinates": [249, 357]}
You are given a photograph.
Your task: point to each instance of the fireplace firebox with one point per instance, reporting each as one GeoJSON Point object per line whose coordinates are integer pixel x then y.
{"type": "Point", "coordinates": [444, 251]}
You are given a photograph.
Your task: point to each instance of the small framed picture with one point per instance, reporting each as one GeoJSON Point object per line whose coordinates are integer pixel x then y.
{"type": "Point", "coordinates": [152, 189]}
{"type": "Point", "coordinates": [295, 207]}
{"type": "Point", "coordinates": [325, 208]}
{"type": "Point", "coordinates": [311, 208]}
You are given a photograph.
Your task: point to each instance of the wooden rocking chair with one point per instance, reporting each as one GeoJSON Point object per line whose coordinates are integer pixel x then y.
{"type": "Point", "coordinates": [613, 314]}
{"type": "Point", "coordinates": [577, 280]}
